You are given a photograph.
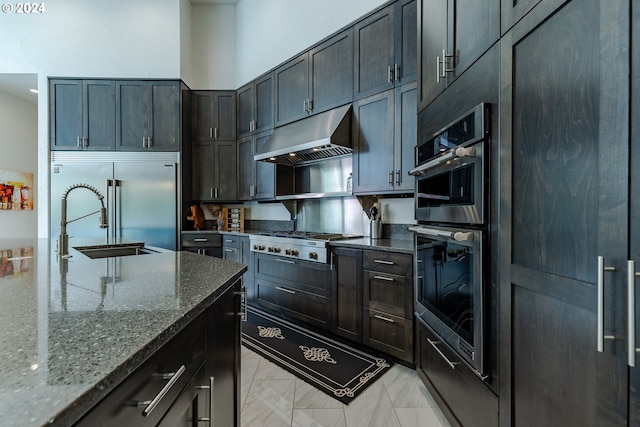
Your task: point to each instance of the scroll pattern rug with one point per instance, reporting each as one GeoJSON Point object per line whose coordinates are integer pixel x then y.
{"type": "Point", "coordinates": [340, 371]}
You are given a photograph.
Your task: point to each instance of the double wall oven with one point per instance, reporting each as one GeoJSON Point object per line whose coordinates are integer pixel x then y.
{"type": "Point", "coordinates": [451, 237]}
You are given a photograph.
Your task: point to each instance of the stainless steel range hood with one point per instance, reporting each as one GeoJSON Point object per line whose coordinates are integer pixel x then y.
{"type": "Point", "coordinates": [323, 136]}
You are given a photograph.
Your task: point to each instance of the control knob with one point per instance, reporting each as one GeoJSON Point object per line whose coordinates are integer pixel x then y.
{"type": "Point", "coordinates": [276, 249]}
{"type": "Point", "coordinates": [313, 255]}
{"type": "Point", "coordinates": [295, 252]}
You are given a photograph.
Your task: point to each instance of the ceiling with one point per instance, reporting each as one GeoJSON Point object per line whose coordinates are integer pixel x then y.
{"type": "Point", "coordinates": [215, 1]}
{"type": "Point", "coordinates": [19, 85]}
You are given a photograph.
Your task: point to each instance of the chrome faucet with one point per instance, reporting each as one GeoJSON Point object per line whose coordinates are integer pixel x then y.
{"type": "Point", "coordinates": [63, 240]}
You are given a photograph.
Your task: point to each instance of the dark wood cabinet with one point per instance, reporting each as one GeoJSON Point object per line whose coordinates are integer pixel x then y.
{"type": "Point", "coordinates": [255, 106]}
{"type": "Point", "coordinates": [256, 180]}
{"type": "Point", "coordinates": [316, 80]}
{"type": "Point", "coordinates": [82, 114]}
{"type": "Point", "coordinates": [346, 307]}
{"type": "Point", "coordinates": [384, 141]}
{"type": "Point", "coordinates": [213, 115]}
{"type": "Point", "coordinates": [202, 243]}
{"type": "Point", "coordinates": [565, 121]}
{"type": "Point", "coordinates": [452, 35]}
{"type": "Point", "coordinates": [385, 49]}
{"type": "Point", "coordinates": [387, 281]}
{"type": "Point", "coordinates": [148, 115]}
{"type": "Point", "coordinates": [214, 170]}
{"type": "Point", "coordinates": [298, 289]}
{"type": "Point", "coordinates": [231, 248]}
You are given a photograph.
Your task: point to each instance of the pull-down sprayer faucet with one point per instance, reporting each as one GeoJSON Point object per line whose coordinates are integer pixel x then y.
{"type": "Point", "coordinates": [63, 240]}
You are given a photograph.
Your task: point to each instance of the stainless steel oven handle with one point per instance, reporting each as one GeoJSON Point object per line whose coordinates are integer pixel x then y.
{"type": "Point", "coordinates": [451, 364]}
{"type": "Point", "coordinates": [601, 336]}
{"type": "Point", "coordinates": [449, 155]}
{"type": "Point", "coordinates": [459, 236]}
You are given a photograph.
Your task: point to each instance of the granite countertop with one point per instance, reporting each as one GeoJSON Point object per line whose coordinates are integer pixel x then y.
{"type": "Point", "coordinates": [72, 329]}
{"type": "Point", "coordinates": [387, 245]}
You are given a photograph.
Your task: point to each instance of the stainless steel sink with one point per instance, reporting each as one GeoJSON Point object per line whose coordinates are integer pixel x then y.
{"type": "Point", "coordinates": [114, 250]}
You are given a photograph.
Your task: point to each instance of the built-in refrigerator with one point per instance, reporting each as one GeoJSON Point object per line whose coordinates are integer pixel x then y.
{"type": "Point", "coordinates": [141, 194]}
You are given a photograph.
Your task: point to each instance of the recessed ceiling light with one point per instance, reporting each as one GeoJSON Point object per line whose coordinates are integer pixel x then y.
{"type": "Point", "coordinates": [33, 90]}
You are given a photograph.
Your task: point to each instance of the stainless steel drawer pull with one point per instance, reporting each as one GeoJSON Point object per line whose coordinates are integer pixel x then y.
{"type": "Point", "coordinates": [601, 336]}
{"type": "Point", "coordinates": [229, 250]}
{"type": "Point", "coordinates": [244, 302]}
{"type": "Point", "coordinates": [287, 261]}
{"type": "Point", "coordinates": [285, 290]}
{"type": "Point", "coordinates": [386, 319]}
{"type": "Point", "coordinates": [200, 239]}
{"type": "Point", "coordinates": [631, 313]}
{"type": "Point", "coordinates": [434, 344]}
{"type": "Point", "coordinates": [382, 261]}
{"type": "Point", "coordinates": [151, 405]}
{"type": "Point", "coordinates": [388, 279]}
{"type": "Point", "coordinates": [229, 240]}
{"type": "Point", "coordinates": [210, 388]}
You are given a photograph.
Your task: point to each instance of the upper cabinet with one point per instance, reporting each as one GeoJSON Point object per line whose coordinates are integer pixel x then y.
{"type": "Point", "coordinates": [255, 106]}
{"type": "Point", "coordinates": [148, 115]}
{"type": "Point", "coordinates": [82, 114]}
{"type": "Point", "coordinates": [385, 49]}
{"type": "Point", "coordinates": [317, 80]}
{"type": "Point", "coordinates": [452, 35]}
{"type": "Point", "coordinates": [213, 115]}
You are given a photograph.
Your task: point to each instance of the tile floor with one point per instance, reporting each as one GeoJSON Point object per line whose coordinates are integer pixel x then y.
{"type": "Point", "coordinates": [272, 397]}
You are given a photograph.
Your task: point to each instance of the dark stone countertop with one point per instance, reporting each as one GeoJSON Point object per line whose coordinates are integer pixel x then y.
{"type": "Point", "coordinates": [72, 329]}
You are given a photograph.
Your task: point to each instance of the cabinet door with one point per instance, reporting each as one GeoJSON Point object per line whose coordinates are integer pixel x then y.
{"type": "Point", "coordinates": [373, 168]}
{"type": "Point", "coordinates": [566, 171]}
{"type": "Point", "coordinates": [99, 122]}
{"type": "Point", "coordinates": [292, 90]}
{"type": "Point", "coordinates": [406, 134]}
{"type": "Point", "coordinates": [164, 116]}
{"type": "Point", "coordinates": [246, 109]}
{"type": "Point", "coordinates": [406, 42]}
{"type": "Point", "coordinates": [202, 165]}
{"type": "Point", "coordinates": [192, 403]}
{"type": "Point", "coordinates": [223, 356]}
{"type": "Point", "coordinates": [202, 115]}
{"type": "Point", "coordinates": [374, 54]}
{"type": "Point", "coordinates": [132, 109]}
{"type": "Point", "coordinates": [347, 293]}
{"type": "Point", "coordinates": [226, 170]}
{"type": "Point", "coordinates": [432, 39]}
{"type": "Point", "coordinates": [264, 103]}
{"type": "Point", "coordinates": [246, 169]}
{"type": "Point", "coordinates": [265, 172]}
{"type": "Point", "coordinates": [224, 115]}
{"type": "Point", "coordinates": [332, 73]}
{"type": "Point", "coordinates": [513, 11]}
{"type": "Point", "coordinates": [65, 114]}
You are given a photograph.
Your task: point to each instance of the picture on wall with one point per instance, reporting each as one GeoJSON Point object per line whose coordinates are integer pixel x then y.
{"type": "Point", "coordinates": [16, 190]}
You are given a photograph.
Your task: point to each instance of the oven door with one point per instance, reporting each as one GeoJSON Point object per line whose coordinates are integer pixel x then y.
{"type": "Point", "coordinates": [452, 190]}
{"type": "Point", "coordinates": [449, 289]}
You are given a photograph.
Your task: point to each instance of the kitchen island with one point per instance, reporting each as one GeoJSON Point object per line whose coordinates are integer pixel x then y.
{"type": "Point", "coordinates": [72, 330]}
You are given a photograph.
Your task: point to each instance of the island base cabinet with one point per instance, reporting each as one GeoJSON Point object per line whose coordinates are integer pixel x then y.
{"type": "Point", "coordinates": [169, 370]}
{"type": "Point", "coordinates": [462, 396]}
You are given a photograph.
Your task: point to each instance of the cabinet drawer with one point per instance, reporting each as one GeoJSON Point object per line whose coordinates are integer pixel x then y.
{"type": "Point", "coordinates": [391, 334]}
{"type": "Point", "coordinates": [187, 350]}
{"type": "Point", "coordinates": [230, 241]}
{"type": "Point", "coordinates": [201, 240]}
{"type": "Point", "coordinates": [388, 293]}
{"type": "Point", "coordinates": [302, 275]}
{"type": "Point", "coordinates": [388, 262]}
{"type": "Point", "coordinates": [464, 394]}
{"type": "Point", "coordinates": [307, 307]}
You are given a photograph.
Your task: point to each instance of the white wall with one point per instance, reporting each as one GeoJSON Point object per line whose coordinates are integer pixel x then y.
{"type": "Point", "coordinates": [213, 47]}
{"type": "Point", "coordinates": [89, 38]}
{"type": "Point", "coordinates": [271, 31]}
{"type": "Point", "coordinates": [18, 145]}
{"type": "Point", "coordinates": [186, 62]}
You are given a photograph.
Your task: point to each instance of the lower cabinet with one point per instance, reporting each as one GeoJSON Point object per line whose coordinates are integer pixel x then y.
{"type": "Point", "coordinates": [346, 307]}
{"type": "Point", "coordinates": [298, 289]}
{"type": "Point", "coordinates": [202, 243]}
{"type": "Point", "coordinates": [192, 378]}
{"type": "Point", "coordinates": [462, 396]}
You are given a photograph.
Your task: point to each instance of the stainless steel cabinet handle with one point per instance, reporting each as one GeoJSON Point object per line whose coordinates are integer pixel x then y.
{"type": "Point", "coordinates": [78, 143]}
{"type": "Point", "coordinates": [200, 239]}
{"type": "Point", "coordinates": [310, 105]}
{"type": "Point", "coordinates": [285, 290]}
{"type": "Point", "coordinates": [631, 312]}
{"type": "Point", "coordinates": [144, 142]}
{"type": "Point", "coordinates": [151, 405]}
{"type": "Point", "coordinates": [149, 142]}
{"type": "Point", "coordinates": [215, 133]}
{"type": "Point", "coordinates": [601, 336]}
{"type": "Point", "coordinates": [396, 72]}
{"type": "Point", "coordinates": [215, 191]}
{"type": "Point", "coordinates": [389, 74]}
{"type": "Point", "coordinates": [386, 319]}
{"type": "Point", "coordinates": [382, 261]}
{"type": "Point", "coordinates": [434, 344]}
{"type": "Point", "coordinates": [211, 192]}
{"type": "Point", "coordinates": [210, 132]}
{"type": "Point", "coordinates": [210, 388]}
{"type": "Point", "coordinates": [390, 178]}
{"type": "Point", "coordinates": [287, 261]}
{"type": "Point", "coordinates": [398, 177]}
{"type": "Point", "coordinates": [304, 106]}
{"type": "Point", "coordinates": [388, 279]}
{"type": "Point", "coordinates": [245, 304]}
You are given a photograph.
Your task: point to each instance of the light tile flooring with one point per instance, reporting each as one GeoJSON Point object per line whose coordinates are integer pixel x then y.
{"type": "Point", "coordinates": [272, 397]}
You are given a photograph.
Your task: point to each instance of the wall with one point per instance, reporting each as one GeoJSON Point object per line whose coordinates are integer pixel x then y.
{"type": "Point", "coordinates": [18, 145]}
{"type": "Point", "coordinates": [89, 38]}
{"type": "Point", "coordinates": [186, 44]}
{"type": "Point", "coordinates": [270, 32]}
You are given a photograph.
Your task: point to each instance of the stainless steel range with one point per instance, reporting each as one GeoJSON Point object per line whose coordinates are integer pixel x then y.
{"type": "Point", "coordinates": [303, 245]}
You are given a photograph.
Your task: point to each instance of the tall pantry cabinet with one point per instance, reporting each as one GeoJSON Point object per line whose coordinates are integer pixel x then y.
{"type": "Point", "coordinates": [568, 197]}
